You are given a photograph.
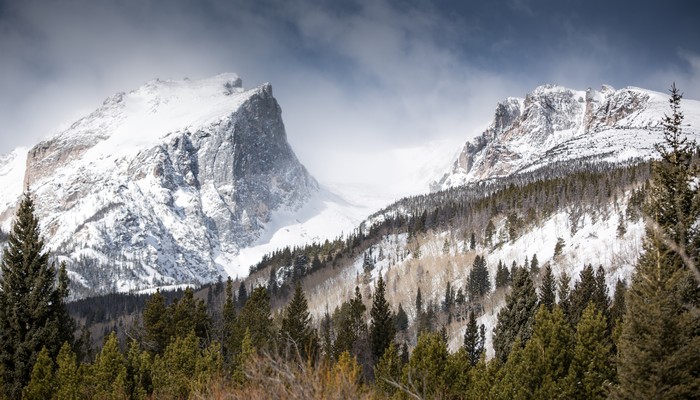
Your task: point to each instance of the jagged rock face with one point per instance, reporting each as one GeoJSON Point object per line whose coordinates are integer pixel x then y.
{"type": "Point", "coordinates": [555, 124]}
{"type": "Point", "coordinates": [158, 185]}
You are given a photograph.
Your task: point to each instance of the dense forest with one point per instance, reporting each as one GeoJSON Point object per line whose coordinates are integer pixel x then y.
{"type": "Point", "coordinates": [555, 337]}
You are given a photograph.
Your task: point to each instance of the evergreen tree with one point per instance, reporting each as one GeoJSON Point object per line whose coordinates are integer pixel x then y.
{"type": "Point", "coordinates": [559, 247]}
{"type": "Point", "coordinates": [228, 324]}
{"type": "Point", "coordinates": [67, 376]}
{"type": "Point", "coordinates": [242, 295]}
{"type": "Point", "coordinates": [563, 292]}
{"type": "Point", "coordinates": [516, 318]}
{"type": "Point", "coordinates": [479, 283]}
{"type": "Point", "coordinates": [401, 319]}
{"type": "Point", "coordinates": [548, 288]}
{"type": "Point", "coordinates": [381, 330]}
{"type": "Point", "coordinates": [388, 370]}
{"type": "Point", "coordinates": [590, 365]}
{"type": "Point", "coordinates": [489, 232]}
{"type": "Point", "coordinates": [42, 384]}
{"type": "Point", "coordinates": [157, 323]}
{"type": "Point", "coordinates": [539, 370]}
{"type": "Point", "coordinates": [190, 315]}
{"type": "Point", "coordinates": [425, 372]}
{"type": "Point", "coordinates": [534, 265]}
{"type": "Point", "coordinates": [32, 309]}
{"type": "Point", "coordinates": [621, 226]}
{"type": "Point", "coordinates": [472, 242]}
{"type": "Point", "coordinates": [474, 338]}
{"type": "Point", "coordinates": [352, 328]}
{"type": "Point", "coordinates": [256, 317]}
{"type": "Point", "coordinates": [601, 298]}
{"type": "Point", "coordinates": [618, 308]}
{"type": "Point", "coordinates": [138, 372]}
{"type": "Point", "coordinates": [296, 329]}
{"type": "Point", "coordinates": [108, 374]}
{"type": "Point", "coordinates": [583, 293]}
{"type": "Point", "coordinates": [502, 275]}
{"type": "Point", "coordinates": [659, 348]}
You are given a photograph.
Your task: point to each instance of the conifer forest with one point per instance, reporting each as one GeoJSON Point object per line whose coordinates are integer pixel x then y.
{"type": "Point", "coordinates": [555, 337]}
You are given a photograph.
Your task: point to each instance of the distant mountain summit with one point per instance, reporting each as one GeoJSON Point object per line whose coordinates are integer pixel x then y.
{"type": "Point", "coordinates": [160, 185]}
{"type": "Point", "coordinates": [555, 124]}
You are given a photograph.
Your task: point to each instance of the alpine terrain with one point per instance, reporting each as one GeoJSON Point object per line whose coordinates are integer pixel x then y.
{"type": "Point", "coordinates": [166, 184]}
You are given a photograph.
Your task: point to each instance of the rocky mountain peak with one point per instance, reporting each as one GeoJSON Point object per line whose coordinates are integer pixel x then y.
{"type": "Point", "coordinates": [160, 185]}
{"type": "Point", "coordinates": [554, 124]}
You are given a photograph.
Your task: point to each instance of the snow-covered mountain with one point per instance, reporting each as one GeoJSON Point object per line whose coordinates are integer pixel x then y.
{"type": "Point", "coordinates": [555, 124]}
{"type": "Point", "coordinates": [168, 184]}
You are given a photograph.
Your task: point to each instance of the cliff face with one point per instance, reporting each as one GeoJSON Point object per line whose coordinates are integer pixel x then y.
{"type": "Point", "coordinates": [555, 124]}
{"type": "Point", "coordinates": [159, 185]}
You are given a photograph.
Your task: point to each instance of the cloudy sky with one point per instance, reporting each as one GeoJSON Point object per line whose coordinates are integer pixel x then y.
{"type": "Point", "coordinates": [354, 78]}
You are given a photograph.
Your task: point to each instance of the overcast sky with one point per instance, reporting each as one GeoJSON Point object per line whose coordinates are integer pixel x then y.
{"type": "Point", "coordinates": [353, 78]}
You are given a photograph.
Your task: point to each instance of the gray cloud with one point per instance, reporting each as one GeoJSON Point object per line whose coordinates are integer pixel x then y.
{"type": "Point", "coordinates": [353, 80]}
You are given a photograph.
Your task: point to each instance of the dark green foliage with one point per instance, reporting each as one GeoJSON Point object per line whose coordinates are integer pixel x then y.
{"type": "Point", "coordinates": [582, 294]}
{"type": "Point", "coordinates": [618, 308]}
{"type": "Point", "coordinates": [351, 326]}
{"type": "Point", "coordinates": [297, 331]}
{"type": "Point", "coordinates": [472, 242]}
{"type": "Point", "coordinates": [474, 340]}
{"type": "Point", "coordinates": [42, 384]}
{"type": "Point", "coordinates": [401, 319]}
{"type": "Point", "coordinates": [479, 283]}
{"type": "Point", "coordinates": [189, 315]}
{"type": "Point", "coordinates": [256, 317]}
{"type": "Point", "coordinates": [381, 329]}
{"type": "Point", "coordinates": [502, 275]}
{"type": "Point", "coordinates": [539, 370]}
{"type": "Point", "coordinates": [563, 292]}
{"type": "Point", "coordinates": [591, 366]}
{"type": "Point", "coordinates": [659, 347]}
{"type": "Point", "coordinates": [242, 295]}
{"type": "Point", "coordinates": [32, 309]}
{"type": "Point", "coordinates": [156, 323]}
{"type": "Point", "coordinates": [548, 288]}
{"type": "Point", "coordinates": [515, 320]}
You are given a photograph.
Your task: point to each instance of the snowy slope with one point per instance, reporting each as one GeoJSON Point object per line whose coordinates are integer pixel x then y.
{"type": "Point", "coordinates": [556, 124]}
{"type": "Point", "coordinates": [174, 182]}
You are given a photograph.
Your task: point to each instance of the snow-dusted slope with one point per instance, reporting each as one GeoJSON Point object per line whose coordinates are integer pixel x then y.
{"type": "Point", "coordinates": [554, 124]}
{"type": "Point", "coordinates": [168, 183]}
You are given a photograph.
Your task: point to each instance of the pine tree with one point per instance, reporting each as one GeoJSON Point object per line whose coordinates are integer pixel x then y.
{"type": "Point", "coordinates": [425, 372]}
{"type": "Point", "coordinates": [474, 338]}
{"type": "Point", "coordinates": [516, 319]}
{"type": "Point", "coordinates": [563, 292]}
{"type": "Point", "coordinates": [621, 226]}
{"type": "Point", "coordinates": [190, 315]}
{"type": "Point", "coordinates": [387, 373]}
{"type": "Point", "coordinates": [618, 308]}
{"type": "Point", "coordinates": [296, 329]}
{"type": "Point", "coordinates": [479, 283]}
{"type": "Point", "coordinates": [67, 376]}
{"type": "Point", "coordinates": [472, 242]}
{"type": "Point", "coordinates": [591, 363]}
{"type": "Point", "coordinates": [381, 330]}
{"type": "Point", "coordinates": [256, 317]}
{"type": "Point", "coordinates": [108, 374]}
{"type": "Point", "coordinates": [401, 319]}
{"type": "Point", "coordinates": [228, 324]}
{"type": "Point", "coordinates": [534, 265]}
{"type": "Point", "coordinates": [489, 232]}
{"type": "Point", "coordinates": [157, 323]}
{"type": "Point", "coordinates": [583, 293]}
{"type": "Point", "coordinates": [548, 288]}
{"type": "Point", "coordinates": [32, 309]}
{"type": "Point", "coordinates": [42, 384]}
{"type": "Point", "coordinates": [659, 348]}
{"type": "Point", "coordinates": [138, 372]}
